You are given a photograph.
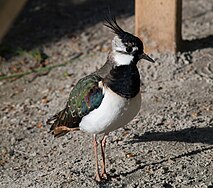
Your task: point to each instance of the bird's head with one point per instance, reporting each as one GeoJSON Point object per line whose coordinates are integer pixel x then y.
{"type": "Point", "coordinates": [126, 47]}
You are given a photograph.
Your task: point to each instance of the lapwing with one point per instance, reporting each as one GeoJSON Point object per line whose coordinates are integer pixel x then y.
{"type": "Point", "coordinates": [108, 98]}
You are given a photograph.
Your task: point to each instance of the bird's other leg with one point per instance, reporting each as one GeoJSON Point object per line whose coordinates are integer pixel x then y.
{"type": "Point", "coordinates": [103, 145]}
{"type": "Point", "coordinates": [95, 144]}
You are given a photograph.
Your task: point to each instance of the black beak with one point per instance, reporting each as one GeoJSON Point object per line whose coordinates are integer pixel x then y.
{"type": "Point", "coordinates": [146, 57]}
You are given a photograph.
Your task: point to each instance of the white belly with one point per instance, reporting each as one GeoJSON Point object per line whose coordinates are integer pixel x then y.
{"type": "Point", "coordinates": [113, 113]}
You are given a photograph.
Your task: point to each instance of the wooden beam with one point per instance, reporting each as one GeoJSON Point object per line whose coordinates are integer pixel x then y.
{"type": "Point", "coordinates": [158, 24]}
{"type": "Point", "coordinates": [9, 9]}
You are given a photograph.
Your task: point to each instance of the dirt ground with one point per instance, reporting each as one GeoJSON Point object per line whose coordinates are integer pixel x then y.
{"type": "Point", "coordinates": [169, 144]}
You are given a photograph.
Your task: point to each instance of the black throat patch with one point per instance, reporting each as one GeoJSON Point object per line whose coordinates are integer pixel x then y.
{"type": "Point", "coordinates": [124, 80]}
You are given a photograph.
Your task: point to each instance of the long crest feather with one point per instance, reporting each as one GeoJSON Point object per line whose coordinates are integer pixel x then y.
{"type": "Point", "coordinates": [112, 24]}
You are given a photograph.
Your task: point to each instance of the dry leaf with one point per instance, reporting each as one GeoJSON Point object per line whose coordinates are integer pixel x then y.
{"type": "Point", "coordinates": [194, 114]}
{"type": "Point", "coordinates": [44, 100]}
{"type": "Point", "coordinates": [129, 155]}
{"type": "Point", "coordinates": [39, 125]}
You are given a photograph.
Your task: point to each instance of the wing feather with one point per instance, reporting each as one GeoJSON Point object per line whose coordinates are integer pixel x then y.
{"type": "Point", "coordinates": [84, 98]}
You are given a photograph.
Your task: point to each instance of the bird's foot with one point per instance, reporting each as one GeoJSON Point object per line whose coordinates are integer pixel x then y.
{"type": "Point", "coordinates": [97, 177]}
{"type": "Point", "coordinates": [105, 176]}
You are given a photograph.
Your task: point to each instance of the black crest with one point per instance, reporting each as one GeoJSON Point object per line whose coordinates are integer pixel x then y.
{"type": "Point", "coordinates": [112, 24]}
{"type": "Point", "coordinates": [127, 38]}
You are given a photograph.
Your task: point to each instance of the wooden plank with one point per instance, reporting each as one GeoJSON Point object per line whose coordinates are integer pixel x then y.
{"type": "Point", "coordinates": [9, 9]}
{"type": "Point", "coordinates": [158, 24]}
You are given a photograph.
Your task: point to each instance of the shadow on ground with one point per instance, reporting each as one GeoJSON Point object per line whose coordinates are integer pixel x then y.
{"type": "Point", "coordinates": [189, 135]}
{"type": "Point", "coordinates": [192, 45]}
{"type": "Point", "coordinates": [187, 154]}
{"type": "Point", "coordinates": [43, 21]}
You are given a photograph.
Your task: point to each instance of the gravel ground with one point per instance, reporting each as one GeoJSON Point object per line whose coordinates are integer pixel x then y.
{"type": "Point", "coordinates": [170, 142]}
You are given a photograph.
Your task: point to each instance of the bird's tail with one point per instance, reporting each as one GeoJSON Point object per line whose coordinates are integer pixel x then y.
{"type": "Point", "coordinates": [61, 123]}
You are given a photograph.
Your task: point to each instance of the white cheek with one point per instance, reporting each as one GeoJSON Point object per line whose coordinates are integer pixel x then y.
{"type": "Point", "coordinates": [123, 59]}
{"type": "Point", "coordinates": [120, 48]}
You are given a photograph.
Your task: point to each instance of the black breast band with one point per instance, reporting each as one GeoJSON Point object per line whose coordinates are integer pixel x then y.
{"type": "Point", "coordinates": [124, 80]}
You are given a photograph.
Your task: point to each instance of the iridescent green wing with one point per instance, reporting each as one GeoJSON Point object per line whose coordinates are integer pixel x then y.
{"type": "Point", "coordinates": [84, 98]}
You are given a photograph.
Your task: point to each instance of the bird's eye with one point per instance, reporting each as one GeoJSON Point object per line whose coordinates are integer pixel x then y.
{"type": "Point", "coordinates": [129, 49]}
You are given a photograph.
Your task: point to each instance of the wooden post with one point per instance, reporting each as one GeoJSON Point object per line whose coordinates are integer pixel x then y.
{"type": "Point", "coordinates": [158, 24]}
{"type": "Point", "coordinates": [9, 9]}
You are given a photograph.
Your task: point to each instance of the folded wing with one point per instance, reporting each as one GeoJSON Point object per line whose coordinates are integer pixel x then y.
{"type": "Point", "coordinates": [84, 98]}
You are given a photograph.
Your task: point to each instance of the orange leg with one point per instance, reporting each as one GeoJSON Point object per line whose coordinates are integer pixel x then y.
{"type": "Point", "coordinates": [95, 144]}
{"type": "Point", "coordinates": [103, 145]}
